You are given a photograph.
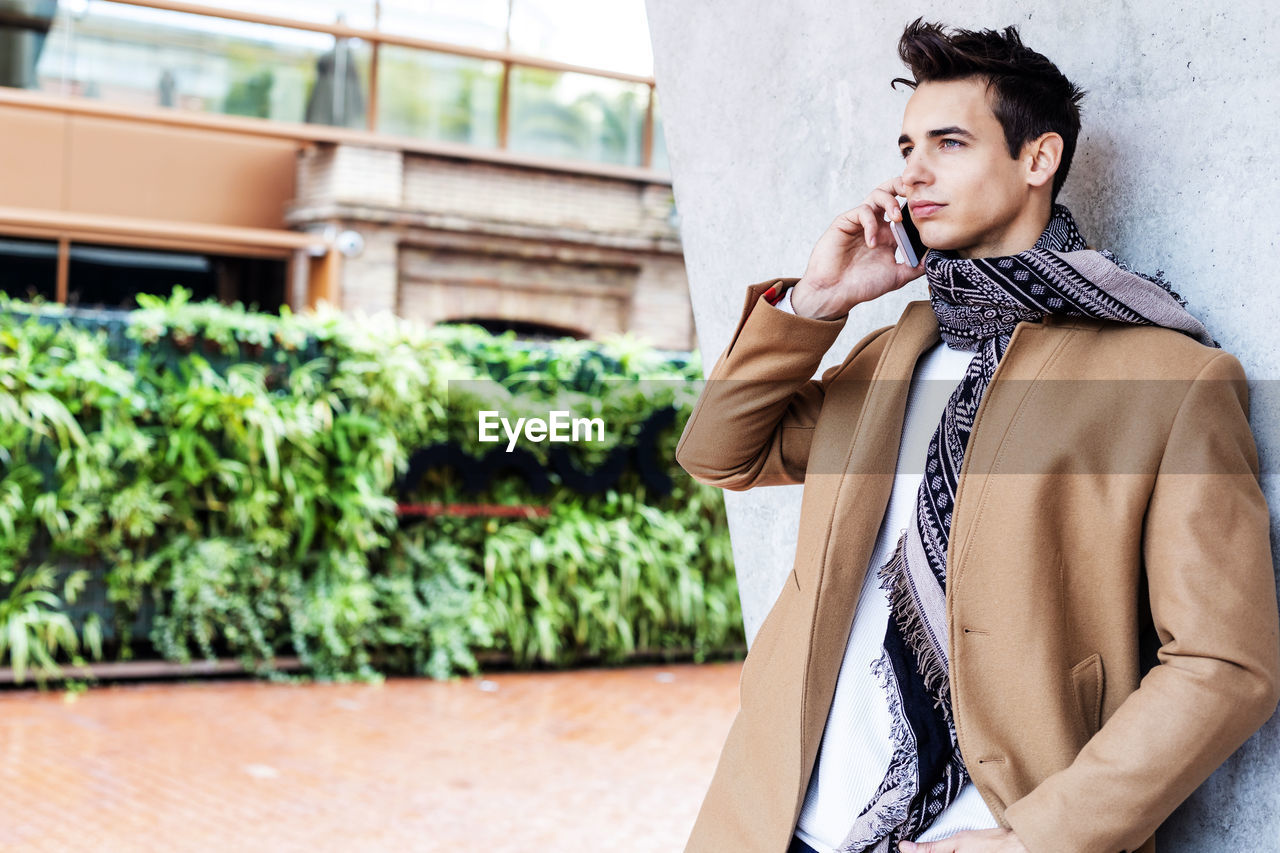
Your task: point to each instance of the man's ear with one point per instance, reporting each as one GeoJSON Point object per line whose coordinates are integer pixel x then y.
{"type": "Point", "coordinates": [1041, 158]}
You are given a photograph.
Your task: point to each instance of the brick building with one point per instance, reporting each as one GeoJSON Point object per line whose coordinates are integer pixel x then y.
{"type": "Point", "coordinates": [531, 248]}
{"type": "Point", "coordinates": [144, 150]}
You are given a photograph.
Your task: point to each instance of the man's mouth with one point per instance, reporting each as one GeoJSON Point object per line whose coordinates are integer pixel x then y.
{"type": "Point", "coordinates": [925, 208]}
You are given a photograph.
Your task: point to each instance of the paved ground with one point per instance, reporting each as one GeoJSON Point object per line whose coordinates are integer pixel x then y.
{"type": "Point", "coordinates": [595, 760]}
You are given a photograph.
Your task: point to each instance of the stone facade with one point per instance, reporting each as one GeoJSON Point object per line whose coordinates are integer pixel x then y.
{"type": "Point", "coordinates": [455, 239]}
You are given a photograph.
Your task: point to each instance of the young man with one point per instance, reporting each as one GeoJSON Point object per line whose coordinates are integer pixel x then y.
{"type": "Point", "coordinates": [957, 657]}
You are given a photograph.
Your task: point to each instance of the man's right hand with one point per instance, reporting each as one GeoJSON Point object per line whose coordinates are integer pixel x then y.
{"type": "Point", "coordinates": [853, 261]}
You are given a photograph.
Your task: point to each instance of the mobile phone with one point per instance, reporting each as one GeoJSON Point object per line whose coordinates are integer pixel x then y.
{"type": "Point", "coordinates": [907, 236]}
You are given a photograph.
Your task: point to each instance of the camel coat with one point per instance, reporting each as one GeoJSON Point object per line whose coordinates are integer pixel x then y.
{"type": "Point", "coordinates": [1109, 493]}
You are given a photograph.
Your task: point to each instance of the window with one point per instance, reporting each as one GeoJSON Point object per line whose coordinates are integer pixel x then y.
{"type": "Point", "coordinates": [109, 276]}
{"type": "Point", "coordinates": [29, 268]}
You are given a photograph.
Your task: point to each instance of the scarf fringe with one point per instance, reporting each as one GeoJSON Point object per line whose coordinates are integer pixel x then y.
{"type": "Point", "coordinates": [932, 666]}
{"type": "Point", "coordinates": [887, 818]}
{"type": "Point", "coordinates": [1156, 277]}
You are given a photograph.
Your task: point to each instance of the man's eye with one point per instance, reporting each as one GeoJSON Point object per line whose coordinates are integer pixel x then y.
{"type": "Point", "coordinates": [905, 152]}
{"type": "Point", "coordinates": [951, 143]}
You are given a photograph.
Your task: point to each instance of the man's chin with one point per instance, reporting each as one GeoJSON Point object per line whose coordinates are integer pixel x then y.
{"type": "Point", "coordinates": [947, 240]}
{"type": "Point", "coordinates": [943, 242]}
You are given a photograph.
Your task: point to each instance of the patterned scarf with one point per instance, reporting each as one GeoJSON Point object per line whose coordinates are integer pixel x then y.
{"type": "Point", "coordinates": [977, 303]}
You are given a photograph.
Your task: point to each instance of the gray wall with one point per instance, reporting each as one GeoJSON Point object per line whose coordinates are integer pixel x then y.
{"type": "Point", "coordinates": [779, 116]}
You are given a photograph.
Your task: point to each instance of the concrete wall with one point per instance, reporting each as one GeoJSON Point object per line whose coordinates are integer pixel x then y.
{"type": "Point", "coordinates": [779, 116]}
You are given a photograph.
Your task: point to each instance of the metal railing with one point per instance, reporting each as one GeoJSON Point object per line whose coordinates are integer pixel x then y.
{"type": "Point", "coordinates": [379, 53]}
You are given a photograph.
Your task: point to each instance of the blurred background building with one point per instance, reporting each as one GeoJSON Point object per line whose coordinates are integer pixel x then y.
{"type": "Point", "coordinates": [490, 161]}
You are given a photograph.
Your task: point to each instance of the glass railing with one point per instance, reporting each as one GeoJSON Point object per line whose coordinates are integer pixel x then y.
{"type": "Point", "coordinates": [440, 97]}
{"type": "Point", "coordinates": [142, 57]}
{"type": "Point", "coordinates": [471, 23]}
{"type": "Point", "coordinates": [612, 34]}
{"type": "Point", "coordinates": [557, 114]}
{"type": "Point", "coordinates": [355, 13]}
{"type": "Point", "coordinates": [319, 69]}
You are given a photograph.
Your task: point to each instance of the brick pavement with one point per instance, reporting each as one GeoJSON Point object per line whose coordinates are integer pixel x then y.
{"type": "Point", "coordinates": [592, 760]}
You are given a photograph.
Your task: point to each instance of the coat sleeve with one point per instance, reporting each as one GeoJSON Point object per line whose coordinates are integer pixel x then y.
{"type": "Point", "coordinates": [1207, 556]}
{"type": "Point", "coordinates": [752, 423]}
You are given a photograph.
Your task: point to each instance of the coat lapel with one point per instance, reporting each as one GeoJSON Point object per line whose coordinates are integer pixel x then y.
{"type": "Point", "coordinates": [843, 510]}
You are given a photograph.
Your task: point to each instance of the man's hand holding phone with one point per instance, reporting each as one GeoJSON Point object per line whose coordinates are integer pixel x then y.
{"type": "Point", "coordinates": [854, 260]}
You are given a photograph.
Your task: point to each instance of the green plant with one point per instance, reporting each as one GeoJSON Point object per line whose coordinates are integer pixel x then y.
{"type": "Point", "coordinates": [238, 475]}
{"type": "Point", "coordinates": [35, 630]}
{"type": "Point", "coordinates": [433, 605]}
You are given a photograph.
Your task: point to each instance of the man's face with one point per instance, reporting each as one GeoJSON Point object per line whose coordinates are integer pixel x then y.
{"type": "Point", "coordinates": [955, 154]}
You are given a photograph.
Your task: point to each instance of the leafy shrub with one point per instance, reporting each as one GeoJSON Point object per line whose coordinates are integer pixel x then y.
{"type": "Point", "coordinates": [237, 474]}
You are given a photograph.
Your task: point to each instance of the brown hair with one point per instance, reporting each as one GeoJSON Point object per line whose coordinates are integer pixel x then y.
{"type": "Point", "coordinates": [1031, 96]}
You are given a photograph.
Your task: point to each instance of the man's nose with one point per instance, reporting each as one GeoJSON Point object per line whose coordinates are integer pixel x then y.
{"type": "Point", "coordinates": [914, 170]}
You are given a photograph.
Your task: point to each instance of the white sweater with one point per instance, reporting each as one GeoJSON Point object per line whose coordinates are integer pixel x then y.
{"type": "Point", "coordinates": [856, 745]}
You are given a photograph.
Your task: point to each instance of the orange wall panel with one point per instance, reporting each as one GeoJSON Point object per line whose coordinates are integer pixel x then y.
{"type": "Point", "coordinates": [32, 165]}
{"type": "Point", "coordinates": [126, 168]}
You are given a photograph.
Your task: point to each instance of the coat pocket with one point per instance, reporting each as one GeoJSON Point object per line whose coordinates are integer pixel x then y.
{"type": "Point", "coordinates": [1087, 681]}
